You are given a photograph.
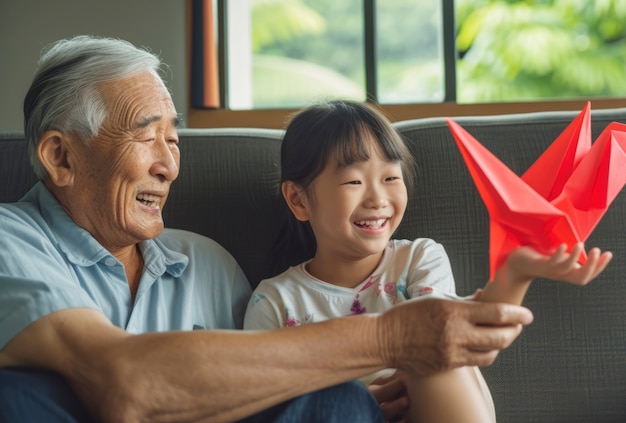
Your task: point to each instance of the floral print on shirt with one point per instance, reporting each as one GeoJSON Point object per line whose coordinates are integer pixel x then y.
{"type": "Point", "coordinates": [391, 290]}
{"type": "Point", "coordinates": [357, 308]}
{"type": "Point", "coordinates": [291, 321]}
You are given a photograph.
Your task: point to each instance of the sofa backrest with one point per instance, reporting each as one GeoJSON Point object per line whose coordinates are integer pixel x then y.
{"type": "Point", "coordinates": [570, 364]}
{"type": "Point", "coordinates": [227, 189]}
{"type": "Point", "coordinates": [445, 204]}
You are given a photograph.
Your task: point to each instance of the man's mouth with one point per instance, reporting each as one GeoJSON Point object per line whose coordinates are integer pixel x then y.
{"type": "Point", "coordinates": [371, 224]}
{"type": "Point", "coordinates": [148, 200]}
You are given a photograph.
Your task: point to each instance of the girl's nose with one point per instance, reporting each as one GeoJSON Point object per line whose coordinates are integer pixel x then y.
{"type": "Point", "coordinates": [375, 198]}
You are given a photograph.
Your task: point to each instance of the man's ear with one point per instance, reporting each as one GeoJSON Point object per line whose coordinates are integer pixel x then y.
{"type": "Point", "coordinates": [295, 198]}
{"type": "Point", "coordinates": [53, 154]}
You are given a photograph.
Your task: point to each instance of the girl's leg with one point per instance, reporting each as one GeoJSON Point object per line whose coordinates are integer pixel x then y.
{"type": "Point", "coordinates": [460, 395]}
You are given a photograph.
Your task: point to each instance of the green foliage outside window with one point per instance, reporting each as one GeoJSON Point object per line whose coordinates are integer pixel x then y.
{"type": "Point", "coordinates": [514, 50]}
{"type": "Point", "coordinates": [509, 50]}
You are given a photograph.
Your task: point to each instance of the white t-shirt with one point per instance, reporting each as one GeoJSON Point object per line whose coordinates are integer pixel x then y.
{"type": "Point", "coordinates": [408, 269]}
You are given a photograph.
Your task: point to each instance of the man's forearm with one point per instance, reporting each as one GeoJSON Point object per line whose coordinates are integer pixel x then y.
{"type": "Point", "coordinates": [234, 374]}
{"type": "Point", "coordinates": [200, 375]}
{"type": "Point", "coordinates": [226, 375]}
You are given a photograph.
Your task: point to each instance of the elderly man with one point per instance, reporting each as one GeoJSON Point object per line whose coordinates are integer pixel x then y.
{"type": "Point", "coordinates": [99, 301]}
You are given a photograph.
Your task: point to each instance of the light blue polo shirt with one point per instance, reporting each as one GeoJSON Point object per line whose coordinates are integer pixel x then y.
{"type": "Point", "coordinates": [48, 263]}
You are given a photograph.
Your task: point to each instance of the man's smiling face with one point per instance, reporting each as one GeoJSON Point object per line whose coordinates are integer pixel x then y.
{"type": "Point", "coordinates": [122, 178]}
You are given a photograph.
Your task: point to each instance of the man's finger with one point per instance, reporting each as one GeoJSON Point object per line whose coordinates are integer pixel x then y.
{"type": "Point", "coordinates": [499, 314]}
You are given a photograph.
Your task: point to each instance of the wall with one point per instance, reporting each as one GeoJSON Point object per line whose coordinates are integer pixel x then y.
{"type": "Point", "coordinates": [27, 26]}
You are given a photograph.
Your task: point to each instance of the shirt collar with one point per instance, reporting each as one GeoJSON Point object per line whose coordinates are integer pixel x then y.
{"type": "Point", "coordinates": [82, 249]}
{"type": "Point", "coordinates": [159, 259]}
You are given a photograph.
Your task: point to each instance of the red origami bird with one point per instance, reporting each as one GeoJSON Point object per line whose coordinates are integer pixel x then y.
{"type": "Point", "coordinates": [561, 197]}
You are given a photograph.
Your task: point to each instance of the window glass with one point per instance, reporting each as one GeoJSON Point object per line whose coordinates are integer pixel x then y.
{"type": "Point", "coordinates": [287, 53]}
{"type": "Point", "coordinates": [409, 51]}
{"type": "Point", "coordinates": [297, 51]}
{"type": "Point", "coordinates": [514, 50]}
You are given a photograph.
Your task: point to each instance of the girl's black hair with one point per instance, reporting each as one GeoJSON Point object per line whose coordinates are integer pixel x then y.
{"type": "Point", "coordinates": [336, 128]}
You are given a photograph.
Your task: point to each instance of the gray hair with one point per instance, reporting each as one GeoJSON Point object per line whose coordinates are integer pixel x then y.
{"type": "Point", "coordinates": [65, 94]}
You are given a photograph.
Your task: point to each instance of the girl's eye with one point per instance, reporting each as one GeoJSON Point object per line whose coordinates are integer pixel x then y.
{"type": "Point", "coordinates": [353, 183]}
{"type": "Point", "coordinates": [392, 178]}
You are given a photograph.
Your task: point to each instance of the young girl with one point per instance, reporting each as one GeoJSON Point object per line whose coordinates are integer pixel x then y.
{"type": "Point", "coordinates": [344, 176]}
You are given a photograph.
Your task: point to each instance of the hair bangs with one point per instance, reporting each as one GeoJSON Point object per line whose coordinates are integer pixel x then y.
{"type": "Point", "coordinates": [351, 145]}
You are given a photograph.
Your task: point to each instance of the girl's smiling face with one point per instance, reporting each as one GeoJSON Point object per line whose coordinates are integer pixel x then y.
{"type": "Point", "coordinates": [355, 209]}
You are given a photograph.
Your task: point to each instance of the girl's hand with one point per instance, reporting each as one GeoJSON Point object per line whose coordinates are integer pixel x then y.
{"type": "Point", "coordinates": [526, 263]}
{"type": "Point", "coordinates": [390, 392]}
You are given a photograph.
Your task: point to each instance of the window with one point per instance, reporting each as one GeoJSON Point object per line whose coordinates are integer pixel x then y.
{"type": "Point", "coordinates": [284, 53]}
{"type": "Point", "coordinates": [287, 53]}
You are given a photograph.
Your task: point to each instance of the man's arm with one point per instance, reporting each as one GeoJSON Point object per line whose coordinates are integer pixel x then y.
{"type": "Point", "coordinates": [217, 375]}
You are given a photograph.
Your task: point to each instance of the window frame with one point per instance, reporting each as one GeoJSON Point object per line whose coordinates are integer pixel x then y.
{"type": "Point", "coordinates": [277, 118]}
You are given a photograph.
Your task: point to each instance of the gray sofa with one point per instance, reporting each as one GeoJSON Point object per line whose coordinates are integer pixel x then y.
{"type": "Point", "coordinates": [569, 366]}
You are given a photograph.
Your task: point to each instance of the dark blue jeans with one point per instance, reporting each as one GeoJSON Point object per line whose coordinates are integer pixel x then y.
{"type": "Point", "coordinates": [43, 397]}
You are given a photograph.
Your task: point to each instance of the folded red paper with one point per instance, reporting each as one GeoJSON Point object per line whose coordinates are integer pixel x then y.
{"type": "Point", "coordinates": [560, 199]}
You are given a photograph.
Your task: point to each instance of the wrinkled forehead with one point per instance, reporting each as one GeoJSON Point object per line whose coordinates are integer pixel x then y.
{"type": "Point", "coordinates": [130, 101]}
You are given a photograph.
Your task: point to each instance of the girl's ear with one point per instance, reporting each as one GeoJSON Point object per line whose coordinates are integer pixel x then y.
{"type": "Point", "coordinates": [295, 198]}
{"type": "Point", "coordinates": [53, 154]}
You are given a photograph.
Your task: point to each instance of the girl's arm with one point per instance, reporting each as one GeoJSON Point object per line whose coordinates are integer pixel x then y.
{"type": "Point", "coordinates": [524, 264]}
{"type": "Point", "coordinates": [461, 395]}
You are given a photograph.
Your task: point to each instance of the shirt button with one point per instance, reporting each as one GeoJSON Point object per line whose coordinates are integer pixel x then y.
{"type": "Point", "coordinates": [110, 261]}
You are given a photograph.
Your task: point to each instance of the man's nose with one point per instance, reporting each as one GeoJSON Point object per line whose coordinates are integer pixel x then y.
{"type": "Point", "coordinates": [167, 160]}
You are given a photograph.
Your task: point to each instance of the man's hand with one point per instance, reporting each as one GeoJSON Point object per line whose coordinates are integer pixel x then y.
{"type": "Point", "coordinates": [426, 336]}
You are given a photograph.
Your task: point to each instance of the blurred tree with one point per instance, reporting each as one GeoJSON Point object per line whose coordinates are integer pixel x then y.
{"type": "Point", "coordinates": [408, 34]}
{"type": "Point", "coordinates": [510, 50]}
{"type": "Point", "coordinates": [274, 21]}
{"type": "Point", "coordinates": [305, 50]}
{"type": "Point", "coordinates": [516, 50]}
